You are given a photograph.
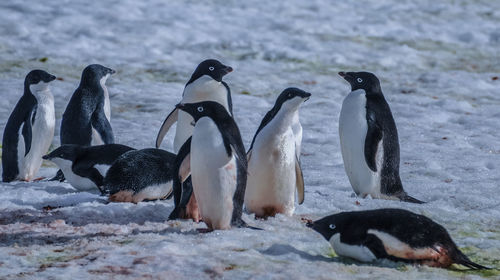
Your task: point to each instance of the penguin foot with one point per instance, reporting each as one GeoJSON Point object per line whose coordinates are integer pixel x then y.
{"type": "Point", "coordinates": [406, 198]}
{"type": "Point", "coordinates": [39, 179]}
{"type": "Point", "coordinates": [204, 230]}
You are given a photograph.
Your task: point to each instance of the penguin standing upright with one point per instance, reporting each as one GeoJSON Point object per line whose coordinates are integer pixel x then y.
{"type": "Point", "coordinates": [369, 140]}
{"type": "Point", "coordinates": [393, 234]}
{"type": "Point", "coordinates": [205, 85]}
{"type": "Point", "coordinates": [23, 149]}
{"type": "Point", "coordinates": [217, 163]}
{"type": "Point", "coordinates": [274, 158]}
{"type": "Point", "coordinates": [86, 120]}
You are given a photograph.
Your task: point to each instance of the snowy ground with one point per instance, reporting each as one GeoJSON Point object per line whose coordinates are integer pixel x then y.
{"type": "Point", "coordinates": [436, 60]}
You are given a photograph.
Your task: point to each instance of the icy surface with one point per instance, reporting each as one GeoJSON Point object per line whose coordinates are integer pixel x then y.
{"type": "Point", "coordinates": [436, 60]}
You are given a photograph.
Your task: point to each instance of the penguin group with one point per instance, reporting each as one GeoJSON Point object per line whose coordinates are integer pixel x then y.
{"type": "Point", "coordinates": [210, 174]}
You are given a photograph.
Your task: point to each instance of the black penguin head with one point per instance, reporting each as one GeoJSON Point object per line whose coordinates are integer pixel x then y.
{"type": "Point", "coordinates": [362, 80]}
{"type": "Point", "coordinates": [328, 226]}
{"type": "Point", "coordinates": [212, 68]}
{"type": "Point", "coordinates": [199, 110]}
{"type": "Point", "coordinates": [65, 152]}
{"type": "Point", "coordinates": [292, 95]}
{"type": "Point", "coordinates": [39, 78]}
{"type": "Point", "coordinates": [94, 73]}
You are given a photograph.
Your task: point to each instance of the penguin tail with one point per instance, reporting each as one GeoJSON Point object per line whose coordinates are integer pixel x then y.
{"type": "Point", "coordinates": [242, 224]}
{"type": "Point", "coordinates": [59, 176]}
{"type": "Point", "coordinates": [465, 261]}
{"type": "Point", "coordinates": [406, 198]}
{"type": "Point", "coordinates": [177, 213]}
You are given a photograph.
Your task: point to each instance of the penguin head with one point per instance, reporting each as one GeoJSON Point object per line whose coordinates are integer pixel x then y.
{"type": "Point", "coordinates": [63, 153]}
{"type": "Point", "coordinates": [212, 68]}
{"type": "Point", "coordinates": [199, 110]}
{"type": "Point", "coordinates": [95, 73]}
{"type": "Point", "coordinates": [328, 226]}
{"type": "Point", "coordinates": [291, 98]}
{"type": "Point", "coordinates": [362, 80]}
{"type": "Point", "coordinates": [37, 80]}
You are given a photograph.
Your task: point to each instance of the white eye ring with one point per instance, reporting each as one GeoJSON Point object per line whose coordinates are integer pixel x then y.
{"type": "Point", "coordinates": [211, 68]}
{"type": "Point", "coordinates": [331, 226]}
{"type": "Point", "coordinates": [200, 109]}
{"type": "Point", "coordinates": [359, 80]}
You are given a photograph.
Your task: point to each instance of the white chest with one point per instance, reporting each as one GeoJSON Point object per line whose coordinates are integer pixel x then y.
{"type": "Point", "coordinates": [352, 131]}
{"type": "Point", "coordinates": [107, 104]}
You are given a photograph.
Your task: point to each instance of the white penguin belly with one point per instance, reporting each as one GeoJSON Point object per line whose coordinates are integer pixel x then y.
{"type": "Point", "coordinates": [203, 89]}
{"type": "Point", "coordinates": [78, 182]}
{"type": "Point", "coordinates": [154, 192]}
{"type": "Point", "coordinates": [353, 128]}
{"type": "Point", "coordinates": [96, 137]}
{"type": "Point", "coordinates": [42, 134]}
{"type": "Point", "coordinates": [213, 174]}
{"type": "Point", "coordinates": [271, 179]}
{"type": "Point", "coordinates": [357, 252]}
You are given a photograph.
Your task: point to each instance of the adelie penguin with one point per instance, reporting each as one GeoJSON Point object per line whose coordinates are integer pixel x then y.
{"type": "Point", "coordinates": [393, 234]}
{"type": "Point", "coordinates": [215, 158]}
{"type": "Point", "coordinates": [140, 175]}
{"type": "Point", "coordinates": [86, 120]}
{"type": "Point", "coordinates": [84, 167]}
{"type": "Point", "coordinates": [30, 129]}
{"type": "Point", "coordinates": [274, 158]}
{"type": "Point", "coordinates": [369, 140]}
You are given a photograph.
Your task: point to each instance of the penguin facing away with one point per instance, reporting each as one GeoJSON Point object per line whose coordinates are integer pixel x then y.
{"type": "Point", "coordinates": [274, 158]}
{"type": "Point", "coordinates": [394, 234]}
{"type": "Point", "coordinates": [30, 129]}
{"type": "Point", "coordinates": [369, 140]}
{"type": "Point", "coordinates": [205, 84]}
{"type": "Point", "coordinates": [217, 164]}
{"type": "Point", "coordinates": [140, 175]}
{"type": "Point", "coordinates": [85, 167]}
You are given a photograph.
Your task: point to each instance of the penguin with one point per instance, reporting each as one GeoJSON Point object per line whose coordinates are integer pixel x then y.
{"type": "Point", "coordinates": [85, 166]}
{"type": "Point", "coordinates": [205, 84]}
{"type": "Point", "coordinates": [30, 129]}
{"type": "Point", "coordinates": [274, 158]}
{"type": "Point", "coordinates": [140, 175]}
{"type": "Point", "coordinates": [394, 234]}
{"type": "Point", "coordinates": [369, 140]}
{"type": "Point", "coordinates": [217, 163]}
{"type": "Point", "coordinates": [86, 120]}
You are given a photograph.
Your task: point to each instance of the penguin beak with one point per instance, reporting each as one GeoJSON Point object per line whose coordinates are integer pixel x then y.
{"type": "Point", "coordinates": [111, 71]}
{"type": "Point", "coordinates": [310, 224]}
{"type": "Point", "coordinates": [346, 76]}
{"type": "Point", "coordinates": [46, 157]}
{"type": "Point", "coordinates": [52, 78]}
{"type": "Point", "coordinates": [306, 96]}
{"type": "Point", "coordinates": [227, 69]}
{"type": "Point", "coordinates": [180, 106]}
{"type": "Point", "coordinates": [193, 123]}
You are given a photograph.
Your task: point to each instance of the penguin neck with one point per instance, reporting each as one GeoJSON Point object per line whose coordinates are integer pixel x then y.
{"type": "Point", "coordinates": [284, 118]}
{"type": "Point", "coordinates": [205, 88]}
{"type": "Point", "coordinates": [40, 91]}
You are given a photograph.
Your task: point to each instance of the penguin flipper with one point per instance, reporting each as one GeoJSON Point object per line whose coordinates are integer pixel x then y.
{"type": "Point", "coordinates": [249, 155]}
{"type": "Point", "coordinates": [373, 137]}
{"type": "Point", "coordinates": [27, 132]}
{"type": "Point", "coordinates": [299, 181]}
{"type": "Point", "coordinates": [167, 123]}
{"type": "Point", "coordinates": [406, 198]}
{"type": "Point", "coordinates": [181, 191]}
{"type": "Point", "coordinates": [101, 124]}
{"type": "Point", "coordinates": [229, 99]}
{"type": "Point", "coordinates": [86, 169]}
{"type": "Point", "coordinates": [465, 261]}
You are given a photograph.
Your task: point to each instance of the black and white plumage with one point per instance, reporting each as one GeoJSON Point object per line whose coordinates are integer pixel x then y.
{"type": "Point", "coordinates": [29, 130]}
{"type": "Point", "coordinates": [394, 234]}
{"type": "Point", "coordinates": [369, 140]}
{"type": "Point", "coordinates": [274, 158]}
{"type": "Point", "coordinates": [216, 161]}
{"type": "Point", "coordinates": [84, 167]}
{"type": "Point", "coordinates": [205, 84]}
{"type": "Point", "coordinates": [140, 175]}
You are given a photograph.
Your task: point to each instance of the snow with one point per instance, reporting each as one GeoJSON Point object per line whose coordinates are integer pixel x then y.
{"type": "Point", "coordinates": [436, 61]}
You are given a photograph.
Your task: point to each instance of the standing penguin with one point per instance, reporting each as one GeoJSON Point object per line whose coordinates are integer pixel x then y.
{"type": "Point", "coordinates": [86, 119]}
{"type": "Point", "coordinates": [85, 167]}
{"type": "Point", "coordinates": [23, 149]}
{"type": "Point", "coordinates": [217, 164]}
{"type": "Point", "coordinates": [205, 85]}
{"type": "Point", "coordinates": [369, 140]}
{"type": "Point", "coordinates": [274, 158]}
{"type": "Point", "coordinates": [394, 234]}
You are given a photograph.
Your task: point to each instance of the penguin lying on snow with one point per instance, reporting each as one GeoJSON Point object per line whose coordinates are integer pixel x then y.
{"type": "Point", "coordinates": [140, 175]}
{"type": "Point", "coordinates": [85, 167]}
{"type": "Point", "coordinates": [394, 234]}
{"type": "Point", "coordinates": [274, 158]}
{"type": "Point", "coordinates": [369, 140]}
{"type": "Point", "coordinates": [86, 119]}
{"type": "Point", "coordinates": [217, 163]}
{"type": "Point", "coordinates": [23, 149]}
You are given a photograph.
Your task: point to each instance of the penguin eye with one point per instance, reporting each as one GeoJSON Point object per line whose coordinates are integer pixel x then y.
{"type": "Point", "coordinates": [211, 68]}
{"type": "Point", "coordinates": [200, 109]}
{"type": "Point", "coordinates": [331, 226]}
{"type": "Point", "coordinates": [359, 80]}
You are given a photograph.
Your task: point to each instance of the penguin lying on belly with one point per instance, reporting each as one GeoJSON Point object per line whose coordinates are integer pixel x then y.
{"type": "Point", "coordinates": [85, 167]}
{"type": "Point", "coordinates": [369, 140]}
{"type": "Point", "coordinates": [274, 158]}
{"type": "Point", "coordinates": [393, 234]}
{"type": "Point", "coordinates": [30, 129]}
{"type": "Point", "coordinates": [140, 175]}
